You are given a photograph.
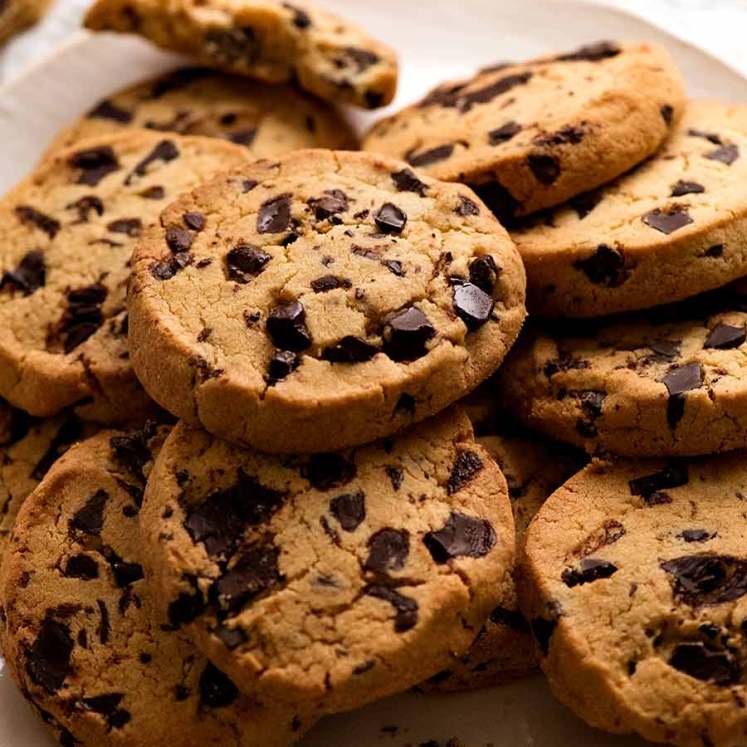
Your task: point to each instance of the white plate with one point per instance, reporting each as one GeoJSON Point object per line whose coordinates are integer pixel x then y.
{"type": "Point", "coordinates": [437, 39]}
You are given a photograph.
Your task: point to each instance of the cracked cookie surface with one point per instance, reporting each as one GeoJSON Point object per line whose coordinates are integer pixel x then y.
{"type": "Point", "coordinates": [267, 39]}
{"type": "Point", "coordinates": [665, 382]}
{"type": "Point", "coordinates": [267, 120]}
{"type": "Point", "coordinates": [80, 634]}
{"type": "Point", "coordinates": [673, 227]}
{"type": "Point", "coordinates": [16, 15]}
{"type": "Point", "coordinates": [332, 579]}
{"type": "Point", "coordinates": [634, 582]}
{"type": "Point", "coordinates": [528, 136]}
{"type": "Point", "coordinates": [333, 298]}
{"type": "Point", "coordinates": [67, 237]}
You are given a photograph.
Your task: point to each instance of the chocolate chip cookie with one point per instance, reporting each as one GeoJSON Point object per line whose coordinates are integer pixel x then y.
{"type": "Point", "coordinates": [79, 631]}
{"type": "Point", "coordinates": [528, 136]}
{"type": "Point", "coordinates": [534, 467]}
{"type": "Point", "coordinates": [67, 234]}
{"type": "Point", "coordinates": [17, 15]}
{"type": "Point", "coordinates": [667, 382]}
{"type": "Point", "coordinates": [634, 583]}
{"type": "Point", "coordinates": [273, 41]}
{"type": "Point", "coordinates": [333, 579]}
{"type": "Point", "coordinates": [334, 298]}
{"type": "Point", "coordinates": [268, 120]}
{"type": "Point", "coordinates": [671, 228]}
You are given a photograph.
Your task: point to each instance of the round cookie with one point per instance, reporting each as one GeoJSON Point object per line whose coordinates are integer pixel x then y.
{"type": "Point", "coordinates": [667, 382]}
{"type": "Point", "coordinates": [268, 120]}
{"type": "Point", "coordinates": [67, 237]}
{"type": "Point", "coordinates": [335, 298]}
{"type": "Point", "coordinates": [671, 228]}
{"type": "Point", "coordinates": [270, 40]}
{"type": "Point", "coordinates": [79, 631]}
{"type": "Point", "coordinates": [634, 581]}
{"type": "Point", "coordinates": [17, 15]}
{"type": "Point", "coordinates": [528, 136]}
{"type": "Point", "coordinates": [334, 579]}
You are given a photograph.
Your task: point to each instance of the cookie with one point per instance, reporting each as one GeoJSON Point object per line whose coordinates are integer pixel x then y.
{"type": "Point", "coordinates": [335, 298]}
{"type": "Point", "coordinates": [333, 579]}
{"type": "Point", "coordinates": [80, 635]}
{"type": "Point", "coordinates": [667, 382]}
{"type": "Point", "coordinates": [273, 41]}
{"type": "Point", "coordinates": [671, 228]}
{"type": "Point", "coordinates": [268, 120]}
{"type": "Point", "coordinates": [528, 136]}
{"type": "Point", "coordinates": [534, 467]}
{"type": "Point", "coordinates": [28, 448]}
{"type": "Point", "coordinates": [17, 15]}
{"type": "Point", "coordinates": [66, 239]}
{"type": "Point", "coordinates": [634, 582]}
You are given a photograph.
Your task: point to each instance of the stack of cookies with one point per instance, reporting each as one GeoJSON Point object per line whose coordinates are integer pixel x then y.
{"type": "Point", "coordinates": [263, 460]}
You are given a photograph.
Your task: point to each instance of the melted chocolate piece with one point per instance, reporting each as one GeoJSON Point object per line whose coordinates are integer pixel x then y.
{"type": "Point", "coordinates": [568, 135]}
{"type": "Point", "coordinates": [328, 283]}
{"type": "Point", "coordinates": [282, 364]}
{"type": "Point", "coordinates": [406, 181]}
{"type": "Point", "coordinates": [650, 487]}
{"type": "Point", "coordinates": [588, 571]}
{"type": "Point", "coordinates": [605, 267]}
{"type": "Point", "coordinates": [108, 110]}
{"type": "Point", "coordinates": [194, 221]}
{"type": "Point", "coordinates": [90, 518]}
{"type": "Point", "coordinates": [108, 705]}
{"type": "Point", "coordinates": [584, 203]}
{"type": "Point", "coordinates": [668, 220]}
{"type": "Point", "coordinates": [679, 381]}
{"type": "Point", "coordinates": [708, 579]}
{"type": "Point", "coordinates": [680, 188]}
{"type": "Point", "coordinates": [94, 164]}
{"type": "Point", "coordinates": [132, 451]}
{"type": "Point", "coordinates": [724, 153]}
{"type": "Point", "coordinates": [328, 470]}
{"type": "Point", "coordinates": [725, 337]}
{"type": "Point", "coordinates": [546, 168]}
{"type": "Point", "coordinates": [500, 201]}
{"type": "Point", "coordinates": [388, 550]}
{"type": "Point", "coordinates": [245, 262]}
{"type": "Point", "coordinates": [483, 272]}
{"type": "Point", "coordinates": [396, 476]}
{"type": "Point", "coordinates": [83, 315]}
{"type": "Point", "coordinates": [406, 609]}
{"type": "Point", "coordinates": [467, 465]}
{"type": "Point", "coordinates": [465, 101]}
{"type": "Point", "coordinates": [286, 325]}
{"type": "Point", "coordinates": [504, 133]}
{"type": "Point", "coordinates": [274, 215]}
{"type": "Point", "coordinates": [83, 567]}
{"type": "Point", "coordinates": [43, 222]}
{"type": "Point", "coordinates": [29, 276]}
{"type": "Point", "coordinates": [48, 659]}
{"type": "Point", "coordinates": [349, 509]}
{"type": "Point", "coordinates": [350, 349]}
{"type": "Point", "coordinates": [255, 572]}
{"type": "Point", "coordinates": [430, 156]}
{"type": "Point", "coordinates": [695, 535]}
{"type": "Point", "coordinates": [591, 53]}
{"type": "Point", "coordinates": [406, 333]}
{"type": "Point", "coordinates": [705, 661]}
{"type": "Point", "coordinates": [390, 219]}
{"type": "Point", "coordinates": [472, 305]}
{"type": "Point", "coordinates": [131, 227]}
{"type": "Point", "coordinates": [462, 536]}
{"type": "Point", "coordinates": [331, 203]}
{"type": "Point", "coordinates": [186, 607]}
{"type": "Point", "coordinates": [216, 689]}
{"type": "Point", "coordinates": [165, 151]}
{"type": "Point", "coordinates": [467, 207]}
{"type": "Point", "coordinates": [667, 113]}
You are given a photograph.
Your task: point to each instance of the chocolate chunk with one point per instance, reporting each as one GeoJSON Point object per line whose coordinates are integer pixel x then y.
{"type": "Point", "coordinates": [104, 626]}
{"type": "Point", "coordinates": [591, 53]}
{"type": "Point", "coordinates": [255, 572]}
{"type": "Point", "coordinates": [390, 219]}
{"type": "Point", "coordinates": [124, 572]}
{"type": "Point", "coordinates": [388, 550]}
{"type": "Point", "coordinates": [274, 215]}
{"type": "Point", "coordinates": [725, 337]}
{"type": "Point", "coordinates": [165, 151]}
{"type": "Point", "coordinates": [48, 659]}
{"type": "Point", "coordinates": [667, 113]}
{"type": "Point", "coordinates": [85, 206]}
{"type": "Point", "coordinates": [108, 705]}
{"type": "Point", "coordinates": [678, 381]}
{"type": "Point", "coordinates": [29, 276]}
{"type": "Point", "coordinates": [43, 222]}
{"type": "Point", "coordinates": [245, 261]}
{"type": "Point", "coordinates": [395, 476]}
{"type": "Point", "coordinates": [133, 450]}
{"type": "Point", "coordinates": [153, 193]}
{"type": "Point", "coordinates": [90, 518]}
{"type": "Point", "coordinates": [83, 315]}
{"type": "Point", "coordinates": [649, 487]}
{"type": "Point", "coordinates": [714, 251]}
{"type": "Point", "coordinates": [194, 221]}
{"type": "Point", "coordinates": [710, 136]}
{"type": "Point", "coordinates": [328, 283]}
{"type": "Point", "coordinates": [605, 267]}
{"type": "Point", "coordinates": [568, 135]}
{"type": "Point", "coordinates": [584, 203]}
{"type": "Point", "coordinates": [350, 349]}
{"type": "Point", "coordinates": [588, 571]}
{"type": "Point", "coordinates": [695, 535]}
{"type": "Point", "coordinates": [430, 156]}
{"type": "Point", "coordinates": [472, 305]}
{"type": "Point", "coordinates": [708, 579]}
{"type": "Point", "coordinates": [406, 333]}
{"type": "Point", "coordinates": [349, 509]}
{"type": "Point", "coordinates": [179, 239]}
{"type": "Point", "coordinates": [394, 266]}
{"type": "Point", "coordinates": [565, 362]}
{"type": "Point", "coordinates": [132, 227]}
{"type": "Point", "coordinates": [465, 101]}
{"type": "Point", "coordinates": [546, 168]}
{"type": "Point", "coordinates": [461, 537]}
{"type": "Point", "coordinates": [542, 630]}
{"type": "Point", "coordinates": [286, 325]}
{"type": "Point", "coordinates": [282, 364]}
{"type": "Point", "coordinates": [216, 689]}
{"type": "Point", "coordinates": [328, 470]}
{"type": "Point", "coordinates": [186, 607]}
{"type": "Point", "coordinates": [331, 203]}
{"type": "Point", "coordinates": [504, 133]}
{"type": "Point", "coordinates": [83, 567]}
{"type": "Point", "coordinates": [668, 220]}
{"type": "Point", "coordinates": [108, 110]}
{"type": "Point", "coordinates": [664, 350]}
{"type": "Point", "coordinates": [406, 609]}
{"type": "Point", "coordinates": [301, 19]}
{"type": "Point", "coordinates": [706, 662]}
{"type": "Point", "coordinates": [483, 272]}
{"type": "Point", "coordinates": [406, 404]}
{"type": "Point", "coordinates": [244, 137]}
{"type": "Point", "coordinates": [406, 181]}
{"type": "Point", "coordinates": [500, 201]}
{"type": "Point", "coordinates": [725, 154]}
{"type": "Point", "coordinates": [510, 619]}
{"type": "Point", "coordinates": [680, 188]}
{"type": "Point", "coordinates": [467, 207]}
{"type": "Point", "coordinates": [232, 638]}
{"type": "Point", "coordinates": [166, 269]}
{"type": "Point", "coordinates": [466, 466]}
{"type": "Point", "coordinates": [94, 164]}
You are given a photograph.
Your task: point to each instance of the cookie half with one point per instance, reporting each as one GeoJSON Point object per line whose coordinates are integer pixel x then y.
{"type": "Point", "coordinates": [268, 120]}
{"type": "Point", "coordinates": [528, 136]}
{"type": "Point", "coordinates": [332, 298]}
{"type": "Point", "coordinates": [667, 382]}
{"type": "Point", "coordinates": [270, 40]}
{"type": "Point", "coordinates": [335, 579]}
{"type": "Point", "coordinates": [671, 228]}
{"type": "Point", "coordinates": [79, 632]}
{"type": "Point", "coordinates": [635, 583]}
{"type": "Point", "coordinates": [66, 240]}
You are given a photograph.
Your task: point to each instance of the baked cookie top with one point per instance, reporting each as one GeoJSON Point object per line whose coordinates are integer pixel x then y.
{"type": "Point", "coordinates": [267, 120]}
{"type": "Point", "coordinates": [266, 39]}
{"type": "Point", "coordinates": [67, 236]}
{"type": "Point", "coordinates": [673, 227]}
{"type": "Point", "coordinates": [635, 587]}
{"type": "Point", "coordinates": [333, 298]}
{"type": "Point", "coordinates": [670, 381]}
{"type": "Point", "coordinates": [531, 135]}
{"type": "Point", "coordinates": [333, 579]}
{"type": "Point", "coordinates": [79, 632]}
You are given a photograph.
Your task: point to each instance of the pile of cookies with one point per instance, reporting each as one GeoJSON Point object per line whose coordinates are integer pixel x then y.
{"type": "Point", "coordinates": [266, 455]}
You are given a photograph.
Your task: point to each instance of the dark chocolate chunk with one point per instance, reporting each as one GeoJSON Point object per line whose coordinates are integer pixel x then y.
{"type": "Point", "coordinates": [664, 350]}
{"type": "Point", "coordinates": [243, 137]}
{"type": "Point", "coordinates": [178, 239]}
{"type": "Point", "coordinates": [500, 201]}
{"type": "Point", "coordinates": [388, 550]}
{"type": "Point", "coordinates": [166, 269]}
{"type": "Point", "coordinates": [584, 203]}
{"type": "Point", "coordinates": [707, 579]}
{"type": "Point", "coordinates": [43, 222]}
{"type": "Point", "coordinates": [165, 151]}
{"type": "Point", "coordinates": [681, 187]}
{"type": "Point", "coordinates": [504, 133]}
{"type": "Point", "coordinates": [81, 566]}
{"type": "Point", "coordinates": [724, 153]}
{"type": "Point", "coordinates": [605, 267]}
{"type": "Point", "coordinates": [668, 220]}
{"type": "Point", "coordinates": [194, 221]}
{"type": "Point", "coordinates": [390, 219]}
{"type": "Point", "coordinates": [274, 215]}
{"type": "Point", "coordinates": [510, 619]}
{"type": "Point", "coordinates": [331, 203]}
{"type": "Point", "coordinates": [301, 19]}
{"type": "Point", "coordinates": [232, 638]}
{"type": "Point", "coordinates": [483, 272]}
{"type": "Point", "coordinates": [704, 661]}
{"type": "Point", "coordinates": [132, 227]}
{"type": "Point", "coordinates": [466, 466]}
{"type": "Point", "coordinates": [85, 206]}
{"type": "Point", "coordinates": [216, 689]}
{"type": "Point", "coordinates": [245, 261]}
{"type": "Point", "coordinates": [188, 606]}
{"type": "Point", "coordinates": [255, 571]}
{"type": "Point", "coordinates": [545, 168]}
{"type": "Point", "coordinates": [232, 44]}
{"type": "Point", "coordinates": [678, 381]}
{"type": "Point", "coordinates": [108, 705]}
{"type": "Point", "coordinates": [591, 53]}
{"type": "Point", "coordinates": [472, 305]}
{"type": "Point", "coordinates": [695, 535]}
{"type": "Point", "coordinates": [395, 475]}
{"type": "Point", "coordinates": [108, 110]}
{"type": "Point", "coordinates": [282, 364]}
{"type": "Point", "coordinates": [406, 404]}
{"type": "Point", "coordinates": [465, 101]}
{"type": "Point", "coordinates": [29, 276]}
{"type": "Point", "coordinates": [94, 164]}
{"type": "Point", "coordinates": [286, 325]}
{"type": "Point", "coordinates": [328, 470]}
{"type": "Point", "coordinates": [48, 659]}
{"type": "Point", "coordinates": [725, 337]}
{"type": "Point", "coordinates": [568, 135]}
{"type": "Point", "coordinates": [132, 451]}
{"type": "Point", "coordinates": [328, 283]}
{"type": "Point", "coordinates": [430, 156]}
{"type": "Point", "coordinates": [90, 518]}
{"type": "Point", "coordinates": [406, 181]}
{"type": "Point", "coordinates": [153, 193]}
{"type": "Point", "coordinates": [650, 487]}
{"type": "Point", "coordinates": [712, 137]}
{"type": "Point", "coordinates": [467, 207]}
{"type": "Point", "coordinates": [361, 58]}
{"type": "Point", "coordinates": [406, 333]}
{"type": "Point", "coordinates": [350, 349]}
{"type": "Point", "coordinates": [588, 571]}
{"type": "Point", "coordinates": [406, 609]}
{"type": "Point", "coordinates": [542, 630]}
{"type": "Point", "coordinates": [461, 537]}
{"type": "Point", "coordinates": [394, 266]}
{"type": "Point", "coordinates": [667, 113]}
{"type": "Point", "coordinates": [349, 509]}
{"type": "Point", "coordinates": [83, 315]}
